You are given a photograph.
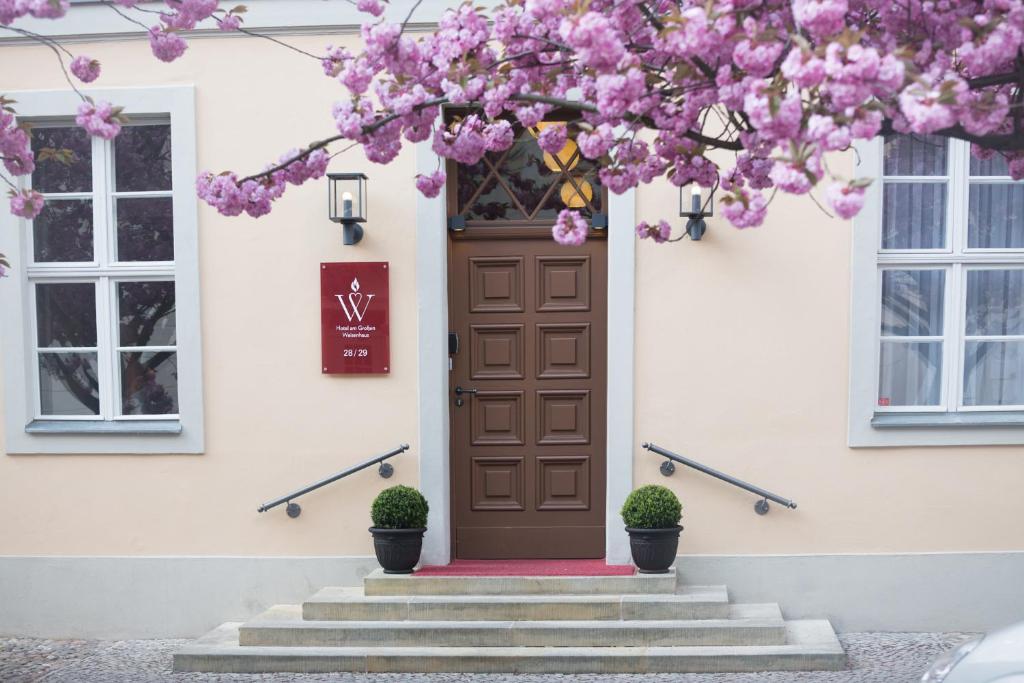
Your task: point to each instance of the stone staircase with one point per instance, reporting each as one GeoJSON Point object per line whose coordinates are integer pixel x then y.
{"type": "Point", "coordinates": [549, 624]}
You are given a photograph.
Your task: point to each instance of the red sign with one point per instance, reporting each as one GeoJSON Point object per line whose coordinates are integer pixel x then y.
{"type": "Point", "coordinates": [354, 308]}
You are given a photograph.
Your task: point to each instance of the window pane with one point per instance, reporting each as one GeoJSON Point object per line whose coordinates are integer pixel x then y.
{"type": "Point", "coordinates": [66, 314]}
{"type": "Point", "coordinates": [995, 217]}
{"type": "Point", "coordinates": [923, 155]}
{"type": "Point", "coordinates": [914, 216]}
{"type": "Point", "coordinates": [494, 204]}
{"type": "Point", "coordinates": [989, 167]}
{"type": "Point", "coordinates": [995, 302]}
{"type": "Point", "coordinates": [146, 311]}
{"type": "Point", "coordinates": [145, 229]}
{"type": "Point", "coordinates": [63, 160]}
{"type": "Point", "coordinates": [62, 231]}
{"type": "Point", "coordinates": [142, 158]}
{"type": "Point", "coordinates": [994, 373]}
{"type": "Point", "coordinates": [910, 374]}
{"type": "Point", "coordinates": [912, 302]}
{"type": "Point", "coordinates": [149, 383]}
{"type": "Point", "coordinates": [68, 384]}
{"type": "Point", "coordinates": [525, 172]}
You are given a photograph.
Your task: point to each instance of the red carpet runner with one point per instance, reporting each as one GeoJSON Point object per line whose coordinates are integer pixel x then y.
{"type": "Point", "coordinates": [526, 568]}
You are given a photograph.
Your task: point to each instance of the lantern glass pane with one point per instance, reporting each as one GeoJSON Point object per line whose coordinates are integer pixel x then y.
{"type": "Point", "coordinates": [348, 197]}
{"type": "Point", "coordinates": [704, 204]}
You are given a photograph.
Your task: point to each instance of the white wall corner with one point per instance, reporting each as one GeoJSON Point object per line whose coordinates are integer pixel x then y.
{"type": "Point", "coordinates": [432, 306]}
{"type": "Point", "coordinates": [621, 370]}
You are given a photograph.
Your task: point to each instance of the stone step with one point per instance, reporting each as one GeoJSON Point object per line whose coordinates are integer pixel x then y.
{"type": "Point", "coordinates": [345, 604]}
{"type": "Point", "coordinates": [283, 625]}
{"type": "Point", "coordinates": [809, 646]}
{"type": "Point", "coordinates": [379, 583]}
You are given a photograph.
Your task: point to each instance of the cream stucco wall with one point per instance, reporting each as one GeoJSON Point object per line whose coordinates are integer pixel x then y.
{"type": "Point", "coordinates": [742, 361]}
{"type": "Point", "coordinates": [273, 422]}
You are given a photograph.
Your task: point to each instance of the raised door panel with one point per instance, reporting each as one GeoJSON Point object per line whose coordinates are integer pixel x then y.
{"type": "Point", "coordinates": [563, 482]}
{"type": "Point", "coordinates": [496, 284]}
{"type": "Point", "coordinates": [563, 283]}
{"type": "Point", "coordinates": [496, 352]}
{"type": "Point", "coordinates": [563, 351]}
{"type": "Point", "coordinates": [497, 418]}
{"type": "Point", "coordinates": [563, 417]}
{"type": "Point", "coordinates": [498, 483]}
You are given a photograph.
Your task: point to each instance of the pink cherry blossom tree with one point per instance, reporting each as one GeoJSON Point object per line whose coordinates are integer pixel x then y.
{"type": "Point", "coordinates": [747, 96]}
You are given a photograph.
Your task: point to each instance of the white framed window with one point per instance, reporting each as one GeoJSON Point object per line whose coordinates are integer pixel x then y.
{"type": "Point", "coordinates": [937, 354]}
{"type": "Point", "coordinates": [101, 341]}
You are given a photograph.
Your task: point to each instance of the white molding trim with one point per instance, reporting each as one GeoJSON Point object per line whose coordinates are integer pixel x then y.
{"type": "Point", "coordinates": [864, 326]}
{"type": "Point", "coordinates": [621, 370]}
{"type": "Point", "coordinates": [179, 103]}
{"type": "Point", "coordinates": [432, 363]}
{"type": "Point", "coordinates": [432, 298]}
{"type": "Point", "coordinates": [91, 21]}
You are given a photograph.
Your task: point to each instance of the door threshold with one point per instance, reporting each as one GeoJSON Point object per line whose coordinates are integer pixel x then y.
{"type": "Point", "coordinates": [591, 567]}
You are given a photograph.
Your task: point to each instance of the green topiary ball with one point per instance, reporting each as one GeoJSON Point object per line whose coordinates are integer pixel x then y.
{"type": "Point", "coordinates": [651, 507]}
{"type": "Point", "coordinates": [399, 507]}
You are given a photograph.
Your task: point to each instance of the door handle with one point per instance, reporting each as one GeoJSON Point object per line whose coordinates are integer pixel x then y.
{"type": "Point", "coordinates": [459, 391]}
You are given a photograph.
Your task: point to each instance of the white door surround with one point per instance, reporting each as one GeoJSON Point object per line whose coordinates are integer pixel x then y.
{"type": "Point", "coordinates": [432, 307]}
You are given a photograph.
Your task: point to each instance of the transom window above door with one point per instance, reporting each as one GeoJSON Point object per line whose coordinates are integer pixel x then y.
{"type": "Point", "coordinates": [101, 275]}
{"type": "Point", "coordinates": [950, 269]}
{"type": "Point", "coordinates": [526, 185]}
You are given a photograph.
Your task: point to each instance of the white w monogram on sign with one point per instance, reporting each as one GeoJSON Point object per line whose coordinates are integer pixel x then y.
{"type": "Point", "coordinates": [357, 302]}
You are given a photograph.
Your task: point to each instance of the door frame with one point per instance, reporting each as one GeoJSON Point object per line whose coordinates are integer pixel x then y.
{"type": "Point", "coordinates": [432, 365]}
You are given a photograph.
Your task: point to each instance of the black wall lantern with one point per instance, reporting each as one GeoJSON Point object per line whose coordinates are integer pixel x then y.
{"type": "Point", "coordinates": [346, 196]}
{"type": "Point", "coordinates": [696, 204]}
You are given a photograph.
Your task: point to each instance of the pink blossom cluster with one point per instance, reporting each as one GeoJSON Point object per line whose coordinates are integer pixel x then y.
{"type": "Point", "coordinates": [570, 229]}
{"type": "Point", "coordinates": [232, 196]}
{"type": "Point", "coordinates": [26, 203]}
{"type": "Point", "coordinates": [659, 232]}
{"type": "Point", "coordinates": [15, 145]}
{"type": "Point", "coordinates": [40, 9]}
{"type": "Point", "coordinates": [102, 120]}
{"type": "Point", "coordinates": [746, 96]}
{"type": "Point", "coordinates": [432, 184]}
{"type": "Point", "coordinates": [85, 69]}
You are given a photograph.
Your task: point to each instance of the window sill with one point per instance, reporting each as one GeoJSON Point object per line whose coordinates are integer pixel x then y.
{"type": "Point", "coordinates": [971, 420]}
{"type": "Point", "coordinates": [103, 427]}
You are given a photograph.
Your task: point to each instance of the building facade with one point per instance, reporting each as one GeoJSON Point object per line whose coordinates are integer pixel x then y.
{"type": "Point", "coordinates": [162, 364]}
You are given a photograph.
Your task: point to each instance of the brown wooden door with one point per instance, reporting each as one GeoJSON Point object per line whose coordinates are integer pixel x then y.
{"type": "Point", "coordinates": [528, 448]}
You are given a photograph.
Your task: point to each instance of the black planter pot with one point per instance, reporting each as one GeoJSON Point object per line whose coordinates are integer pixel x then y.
{"type": "Point", "coordinates": [398, 550]}
{"type": "Point", "coordinates": [654, 550]}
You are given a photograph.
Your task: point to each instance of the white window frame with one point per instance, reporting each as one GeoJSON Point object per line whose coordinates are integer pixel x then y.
{"type": "Point", "coordinates": [951, 423]}
{"type": "Point", "coordinates": [28, 432]}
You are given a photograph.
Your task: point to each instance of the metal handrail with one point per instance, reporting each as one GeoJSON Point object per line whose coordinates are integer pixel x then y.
{"type": "Point", "coordinates": [294, 510]}
{"type": "Point", "coordinates": [760, 507]}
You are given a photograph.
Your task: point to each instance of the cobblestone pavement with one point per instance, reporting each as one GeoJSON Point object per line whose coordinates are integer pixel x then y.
{"type": "Point", "coordinates": [874, 658]}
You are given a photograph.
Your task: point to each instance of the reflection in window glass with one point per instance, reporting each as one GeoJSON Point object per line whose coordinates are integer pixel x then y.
{"type": "Point", "coordinates": [145, 229]}
{"type": "Point", "coordinates": [146, 311]}
{"type": "Point", "coordinates": [995, 302]}
{"type": "Point", "coordinates": [910, 374]}
{"type": "Point", "coordinates": [63, 232]}
{"type": "Point", "coordinates": [66, 315]}
{"type": "Point", "coordinates": [912, 302]}
{"type": "Point", "coordinates": [149, 383]}
{"type": "Point", "coordinates": [142, 158]}
{"type": "Point", "coordinates": [68, 384]}
{"type": "Point", "coordinates": [914, 216]}
{"type": "Point", "coordinates": [63, 160]}
{"type": "Point", "coordinates": [994, 373]}
{"type": "Point", "coordinates": [915, 155]}
{"type": "Point", "coordinates": [995, 218]}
